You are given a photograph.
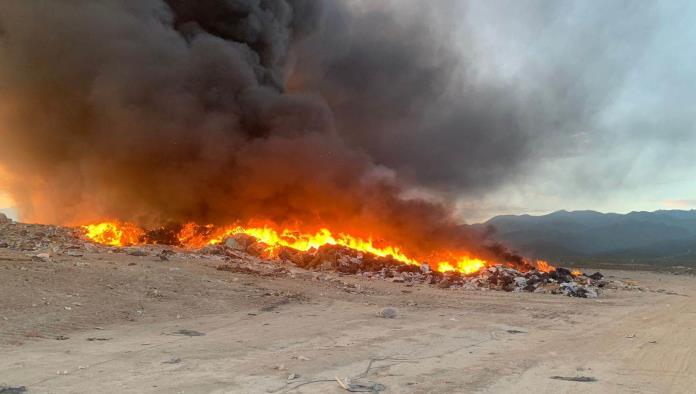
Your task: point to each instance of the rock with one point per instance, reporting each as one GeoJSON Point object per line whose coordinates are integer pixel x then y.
{"type": "Point", "coordinates": [4, 245]}
{"type": "Point", "coordinates": [388, 313]}
{"type": "Point", "coordinates": [425, 268]}
{"type": "Point", "coordinates": [137, 252]}
{"type": "Point", "coordinates": [42, 257]}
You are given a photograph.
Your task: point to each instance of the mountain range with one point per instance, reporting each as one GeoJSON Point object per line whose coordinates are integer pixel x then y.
{"type": "Point", "coordinates": [665, 236]}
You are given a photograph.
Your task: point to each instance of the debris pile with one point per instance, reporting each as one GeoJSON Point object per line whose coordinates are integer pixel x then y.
{"type": "Point", "coordinates": [242, 253]}
{"type": "Point", "coordinates": [348, 261]}
{"type": "Point", "coordinates": [36, 237]}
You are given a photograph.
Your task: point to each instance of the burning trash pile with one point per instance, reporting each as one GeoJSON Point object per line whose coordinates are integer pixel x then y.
{"type": "Point", "coordinates": [258, 116]}
{"type": "Point", "coordinates": [325, 251]}
{"type": "Point", "coordinates": [542, 278]}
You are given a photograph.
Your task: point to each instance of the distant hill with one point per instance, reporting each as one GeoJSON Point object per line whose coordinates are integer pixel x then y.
{"type": "Point", "coordinates": [660, 236]}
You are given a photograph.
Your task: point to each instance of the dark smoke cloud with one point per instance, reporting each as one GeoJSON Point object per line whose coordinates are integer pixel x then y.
{"type": "Point", "coordinates": [411, 85]}
{"type": "Point", "coordinates": [320, 112]}
{"type": "Point", "coordinates": [155, 111]}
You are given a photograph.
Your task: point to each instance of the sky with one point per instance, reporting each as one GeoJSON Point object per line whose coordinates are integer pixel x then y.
{"type": "Point", "coordinates": [637, 152]}
{"type": "Point", "coordinates": [619, 77]}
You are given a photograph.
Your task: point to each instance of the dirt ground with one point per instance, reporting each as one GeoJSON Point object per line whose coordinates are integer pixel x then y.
{"type": "Point", "coordinates": [114, 323]}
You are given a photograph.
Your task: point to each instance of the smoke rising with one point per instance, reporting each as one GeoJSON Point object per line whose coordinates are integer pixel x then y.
{"type": "Point", "coordinates": [296, 111]}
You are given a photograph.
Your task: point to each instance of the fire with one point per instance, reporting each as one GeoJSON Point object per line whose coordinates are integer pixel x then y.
{"type": "Point", "coordinates": [544, 266]}
{"type": "Point", "coordinates": [307, 241]}
{"type": "Point", "coordinates": [465, 265]}
{"type": "Point", "coordinates": [114, 233]}
{"type": "Point", "coordinates": [192, 235]}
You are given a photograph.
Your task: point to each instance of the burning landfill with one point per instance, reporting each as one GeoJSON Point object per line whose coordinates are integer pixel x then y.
{"type": "Point", "coordinates": [278, 122]}
{"type": "Point", "coordinates": [265, 251]}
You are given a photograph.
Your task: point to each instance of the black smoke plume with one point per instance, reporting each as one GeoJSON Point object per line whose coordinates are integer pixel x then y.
{"type": "Point", "coordinates": [302, 112]}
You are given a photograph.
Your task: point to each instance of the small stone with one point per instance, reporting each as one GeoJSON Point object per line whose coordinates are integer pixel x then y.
{"type": "Point", "coordinates": [42, 257]}
{"type": "Point", "coordinates": [293, 376]}
{"type": "Point", "coordinates": [137, 252]}
{"type": "Point", "coordinates": [388, 313]}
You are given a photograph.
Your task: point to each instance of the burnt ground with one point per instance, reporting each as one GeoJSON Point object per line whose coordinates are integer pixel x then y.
{"type": "Point", "coordinates": [97, 321]}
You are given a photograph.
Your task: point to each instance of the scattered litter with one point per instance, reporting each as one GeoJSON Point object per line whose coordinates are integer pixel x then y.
{"type": "Point", "coordinates": [347, 385]}
{"type": "Point", "coordinates": [13, 389]}
{"type": "Point", "coordinates": [61, 338]}
{"type": "Point", "coordinates": [631, 336]}
{"type": "Point", "coordinates": [301, 358]}
{"type": "Point", "coordinates": [293, 376]}
{"type": "Point", "coordinates": [172, 361]}
{"type": "Point", "coordinates": [92, 339]}
{"type": "Point", "coordinates": [575, 378]}
{"type": "Point", "coordinates": [188, 333]}
{"type": "Point", "coordinates": [516, 332]}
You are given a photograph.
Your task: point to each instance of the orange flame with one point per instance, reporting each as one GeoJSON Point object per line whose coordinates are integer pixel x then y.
{"type": "Point", "coordinates": [465, 265]}
{"type": "Point", "coordinates": [114, 233]}
{"type": "Point", "coordinates": [193, 235]}
{"type": "Point", "coordinates": [544, 266]}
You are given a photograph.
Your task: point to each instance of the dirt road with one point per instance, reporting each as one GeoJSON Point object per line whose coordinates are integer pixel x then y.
{"type": "Point", "coordinates": [127, 324]}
